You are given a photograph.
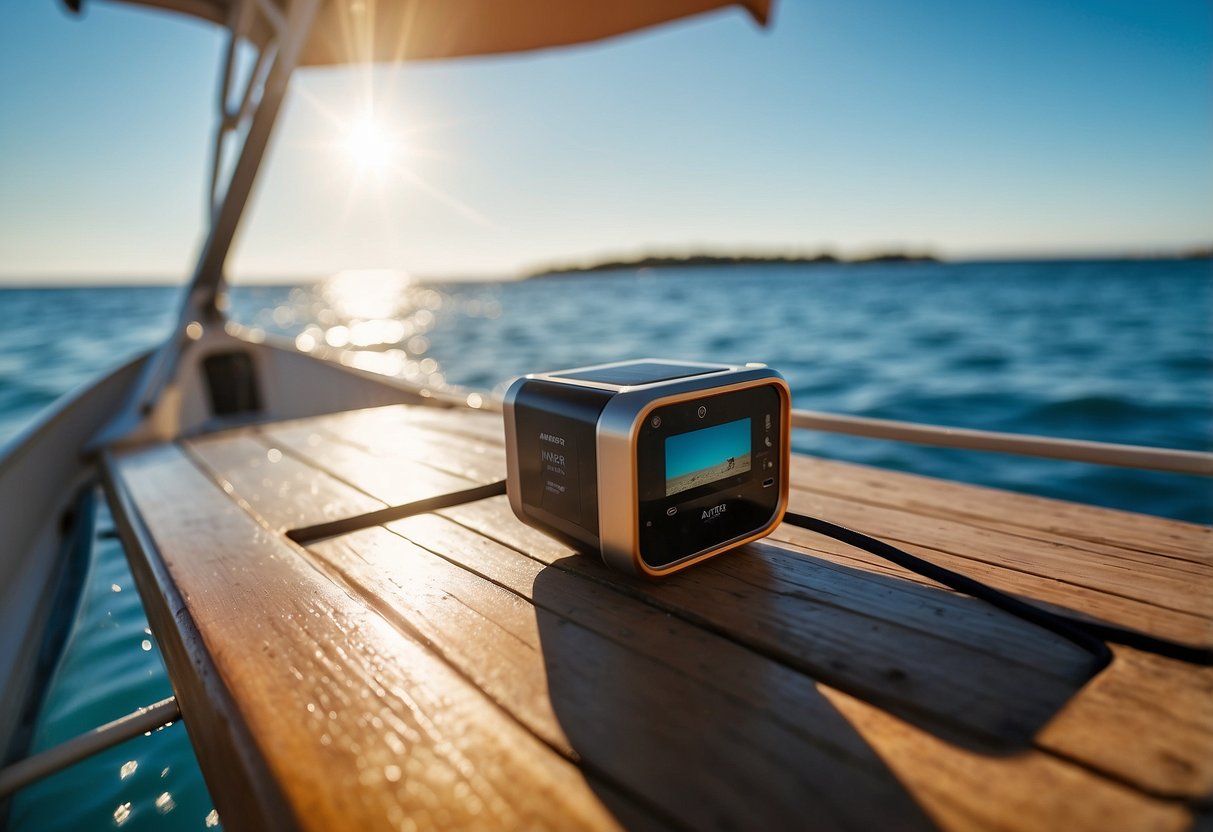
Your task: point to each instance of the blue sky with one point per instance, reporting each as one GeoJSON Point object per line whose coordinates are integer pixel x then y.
{"type": "Point", "coordinates": [705, 448]}
{"type": "Point", "coordinates": [993, 129]}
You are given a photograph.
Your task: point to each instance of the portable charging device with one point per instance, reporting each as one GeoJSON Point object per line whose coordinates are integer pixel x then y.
{"type": "Point", "coordinates": [656, 464]}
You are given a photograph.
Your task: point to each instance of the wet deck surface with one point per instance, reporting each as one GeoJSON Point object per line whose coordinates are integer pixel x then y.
{"type": "Point", "coordinates": [460, 669]}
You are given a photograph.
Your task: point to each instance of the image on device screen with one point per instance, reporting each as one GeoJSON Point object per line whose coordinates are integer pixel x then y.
{"type": "Point", "coordinates": [706, 455]}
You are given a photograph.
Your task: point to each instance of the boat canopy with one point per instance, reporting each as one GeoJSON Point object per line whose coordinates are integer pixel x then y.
{"type": "Point", "coordinates": [361, 31]}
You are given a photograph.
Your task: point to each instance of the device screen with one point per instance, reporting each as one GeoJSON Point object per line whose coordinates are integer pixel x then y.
{"type": "Point", "coordinates": [706, 455]}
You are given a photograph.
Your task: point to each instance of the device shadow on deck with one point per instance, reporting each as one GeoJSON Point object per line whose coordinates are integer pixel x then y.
{"type": "Point", "coordinates": [707, 694]}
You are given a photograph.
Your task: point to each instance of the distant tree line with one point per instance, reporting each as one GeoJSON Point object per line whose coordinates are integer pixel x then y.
{"type": "Point", "coordinates": [700, 260]}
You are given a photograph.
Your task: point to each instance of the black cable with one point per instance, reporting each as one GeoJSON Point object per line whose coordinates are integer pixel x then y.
{"type": "Point", "coordinates": [1089, 635]}
{"type": "Point", "coordinates": [310, 534]}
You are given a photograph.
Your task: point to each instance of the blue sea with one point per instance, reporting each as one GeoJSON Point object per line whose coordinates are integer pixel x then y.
{"type": "Point", "coordinates": [1109, 351]}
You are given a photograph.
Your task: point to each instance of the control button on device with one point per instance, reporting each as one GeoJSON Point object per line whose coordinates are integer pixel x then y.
{"type": "Point", "coordinates": [703, 411]}
{"type": "Point", "coordinates": [767, 440]}
{"type": "Point", "coordinates": [655, 421]}
{"type": "Point", "coordinates": [672, 510]}
{"type": "Point", "coordinates": [768, 482]}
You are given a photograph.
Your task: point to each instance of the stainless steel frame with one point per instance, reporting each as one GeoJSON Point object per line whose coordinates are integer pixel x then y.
{"type": "Point", "coordinates": [255, 115]}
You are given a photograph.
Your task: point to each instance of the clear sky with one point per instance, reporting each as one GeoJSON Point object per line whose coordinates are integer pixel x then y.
{"type": "Point", "coordinates": [969, 129]}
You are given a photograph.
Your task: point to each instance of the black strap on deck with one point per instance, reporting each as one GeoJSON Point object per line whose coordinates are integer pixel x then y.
{"type": "Point", "coordinates": [310, 534]}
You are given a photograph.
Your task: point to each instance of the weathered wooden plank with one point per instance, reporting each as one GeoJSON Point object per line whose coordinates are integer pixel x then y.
{"type": "Point", "coordinates": [1007, 510]}
{"type": "Point", "coordinates": [1158, 583]}
{"type": "Point", "coordinates": [988, 674]}
{"type": "Point", "coordinates": [1158, 713]}
{"type": "Point", "coordinates": [1114, 587]}
{"type": "Point", "coordinates": [1158, 765]}
{"type": "Point", "coordinates": [1065, 598]}
{"type": "Point", "coordinates": [637, 694]}
{"type": "Point", "coordinates": [360, 725]}
{"type": "Point", "coordinates": [244, 791]}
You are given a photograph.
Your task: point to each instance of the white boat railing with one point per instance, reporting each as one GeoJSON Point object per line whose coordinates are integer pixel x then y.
{"type": "Point", "coordinates": [1074, 450]}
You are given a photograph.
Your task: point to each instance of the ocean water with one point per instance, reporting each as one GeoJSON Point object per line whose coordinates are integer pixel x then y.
{"type": "Point", "coordinates": [1110, 351]}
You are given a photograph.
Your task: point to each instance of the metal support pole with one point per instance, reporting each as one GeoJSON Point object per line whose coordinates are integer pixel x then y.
{"type": "Point", "coordinates": [202, 299]}
{"type": "Point", "coordinates": [208, 274]}
{"type": "Point", "coordinates": [21, 774]}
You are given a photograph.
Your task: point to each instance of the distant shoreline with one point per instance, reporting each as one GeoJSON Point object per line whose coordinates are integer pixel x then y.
{"type": "Point", "coordinates": [708, 260]}
{"type": "Point", "coordinates": [714, 260]}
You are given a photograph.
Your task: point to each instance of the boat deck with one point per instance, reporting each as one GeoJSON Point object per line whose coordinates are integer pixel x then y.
{"type": "Point", "coordinates": [460, 669]}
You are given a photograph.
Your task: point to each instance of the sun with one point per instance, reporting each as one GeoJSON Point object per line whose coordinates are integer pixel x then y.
{"type": "Point", "coordinates": [370, 147]}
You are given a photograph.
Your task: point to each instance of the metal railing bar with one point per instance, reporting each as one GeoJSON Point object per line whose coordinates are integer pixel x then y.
{"type": "Point", "coordinates": [1074, 450]}
{"type": "Point", "coordinates": [31, 769]}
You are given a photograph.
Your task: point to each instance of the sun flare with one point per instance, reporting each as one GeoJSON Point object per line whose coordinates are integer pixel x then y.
{"type": "Point", "coordinates": [370, 147]}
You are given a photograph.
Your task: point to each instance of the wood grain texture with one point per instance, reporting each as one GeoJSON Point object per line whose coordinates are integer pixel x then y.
{"type": "Point", "coordinates": [484, 665]}
{"type": "Point", "coordinates": [244, 792]}
{"type": "Point", "coordinates": [790, 608]}
{"type": "Point", "coordinates": [1171, 735]}
{"type": "Point", "coordinates": [696, 725]}
{"type": "Point", "coordinates": [360, 725]}
{"type": "Point", "coordinates": [1119, 584]}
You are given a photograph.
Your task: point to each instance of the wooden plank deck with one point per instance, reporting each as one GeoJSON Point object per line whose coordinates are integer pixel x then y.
{"type": "Point", "coordinates": [460, 669]}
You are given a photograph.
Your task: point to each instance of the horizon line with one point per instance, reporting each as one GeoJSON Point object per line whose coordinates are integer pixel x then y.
{"type": "Point", "coordinates": [605, 262]}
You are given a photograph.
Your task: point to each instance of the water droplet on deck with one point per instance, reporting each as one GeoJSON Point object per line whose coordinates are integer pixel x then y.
{"type": "Point", "coordinates": [146, 645]}
{"type": "Point", "coordinates": [164, 772]}
{"type": "Point", "coordinates": [337, 336]}
{"type": "Point", "coordinates": [122, 813]}
{"type": "Point", "coordinates": [193, 330]}
{"type": "Point", "coordinates": [392, 773]}
{"type": "Point", "coordinates": [165, 803]}
{"type": "Point", "coordinates": [273, 455]}
{"type": "Point", "coordinates": [128, 768]}
{"type": "Point", "coordinates": [212, 818]}
{"type": "Point", "coordinates": [115, 588]}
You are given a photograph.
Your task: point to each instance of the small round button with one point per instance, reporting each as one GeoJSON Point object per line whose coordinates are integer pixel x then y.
{"type": "Point", "coordinates": [703, 411]}
{"type": "Point", "coordinates": [655, 422]}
